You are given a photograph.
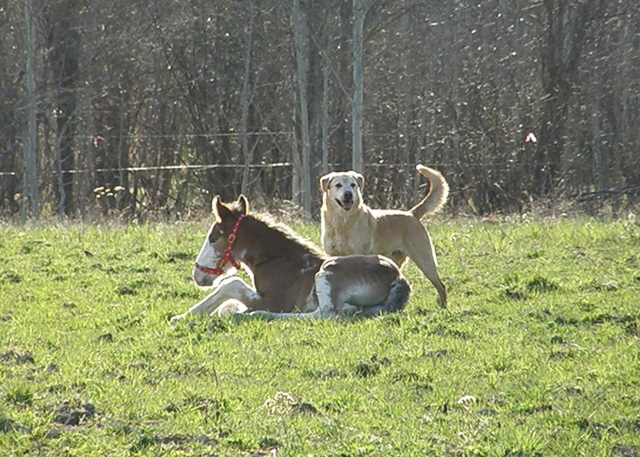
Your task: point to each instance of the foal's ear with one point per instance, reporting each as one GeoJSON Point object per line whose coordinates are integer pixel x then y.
{"type": "Point", "coordinates": [214, 203]}
{"type": "Point", "coordinates": [242, 204]}
{"type": "Point", "coordinates": [219, 209]}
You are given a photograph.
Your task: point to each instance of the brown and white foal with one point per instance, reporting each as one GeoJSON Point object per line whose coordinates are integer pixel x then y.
{"type": "Point", "coordinates": [291, 277]}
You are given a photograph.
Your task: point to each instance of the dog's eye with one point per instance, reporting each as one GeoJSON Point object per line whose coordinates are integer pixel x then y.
{"type": "Point", "coordinates": [353, 184]}
{"type": "Point", "coordinates": [339, 186]}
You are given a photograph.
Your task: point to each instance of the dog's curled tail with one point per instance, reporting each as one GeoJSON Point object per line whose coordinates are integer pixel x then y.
{"type": "Point", "coordinates": [396, 300]}
{"type": "Point", "coordinates": [438, 192]}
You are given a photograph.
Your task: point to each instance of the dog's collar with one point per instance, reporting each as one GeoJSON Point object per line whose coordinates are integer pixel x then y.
{"type": "Point", "coordinates": [227, 257]}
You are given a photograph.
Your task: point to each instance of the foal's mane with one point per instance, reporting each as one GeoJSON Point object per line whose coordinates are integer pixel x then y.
{"type": "Point", "coordinates": [288, 233]}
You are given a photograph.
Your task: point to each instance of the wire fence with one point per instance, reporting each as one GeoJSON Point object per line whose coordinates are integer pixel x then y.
{"type": "Point", "coordinates": [200, 167]}
{"type": "Point", "coordinates": [157, 168]}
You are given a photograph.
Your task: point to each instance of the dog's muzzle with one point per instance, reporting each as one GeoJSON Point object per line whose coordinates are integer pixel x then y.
{"type": "Point", "coordinates": [346, 202]}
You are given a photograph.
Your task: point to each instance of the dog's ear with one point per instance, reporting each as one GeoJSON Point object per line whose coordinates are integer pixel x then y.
{"type": "Point", "coordinates": [360, 179]}
{"type": "Point", "coordinates": [325, 181]}
{"type": "Point", "coordinates": [242, 204]}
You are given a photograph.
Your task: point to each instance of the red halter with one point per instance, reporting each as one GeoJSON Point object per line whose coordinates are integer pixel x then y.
{"type": "Point", "coordinates": [227, 257]}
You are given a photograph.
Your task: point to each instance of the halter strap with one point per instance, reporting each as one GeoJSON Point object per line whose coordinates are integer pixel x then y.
{"type": "Point", "coordinates": [227, 257]}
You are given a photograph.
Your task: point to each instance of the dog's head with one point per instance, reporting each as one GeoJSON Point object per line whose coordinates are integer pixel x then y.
{"type": "Point", "coordinates": [342, 188]}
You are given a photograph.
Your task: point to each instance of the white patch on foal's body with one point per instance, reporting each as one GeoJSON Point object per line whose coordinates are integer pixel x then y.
{"type": "Point", "coordinates": [338, 304]}
{"type": "Point", "coordinates": [326, 307]}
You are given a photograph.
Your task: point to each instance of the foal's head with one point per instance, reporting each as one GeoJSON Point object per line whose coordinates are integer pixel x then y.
{"type": "Point", "coordinates": [214, 258]}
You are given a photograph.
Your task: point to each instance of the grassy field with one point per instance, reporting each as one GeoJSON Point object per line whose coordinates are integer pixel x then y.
{"type": "Point", "coordinates": [537, 355]}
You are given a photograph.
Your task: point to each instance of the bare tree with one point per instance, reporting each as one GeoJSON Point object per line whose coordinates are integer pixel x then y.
{"type": "Point", "coordinates": [30, 207]}
{"type": "Point", "coordinates": [358, 85]}
{"type": "Point", "coordinates": [121, 98]}
{"type": "Point", "coordinates": [245, 101]}
{"type": "Point", "coordinates": [562, 43]}
{"type": "Point", "coordinates": [64, 42]}
{"type": "Point", "coordinates": [304, 164]}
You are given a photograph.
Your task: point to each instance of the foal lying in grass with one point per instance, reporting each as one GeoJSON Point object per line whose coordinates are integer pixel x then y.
{"type": "Point", "coordinates": [291, 277]}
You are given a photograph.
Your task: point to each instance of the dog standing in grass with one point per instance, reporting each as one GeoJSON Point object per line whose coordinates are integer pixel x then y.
{"type": "Point", "coordinates": [349, 226]}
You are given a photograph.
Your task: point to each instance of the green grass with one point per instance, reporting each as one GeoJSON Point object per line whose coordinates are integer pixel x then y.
{"type": "Point", "coordinates": [537, 355]}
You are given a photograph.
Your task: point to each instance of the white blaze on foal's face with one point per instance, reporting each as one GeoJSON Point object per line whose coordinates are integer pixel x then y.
{"type": "Point", "coordinates": [209, 256]}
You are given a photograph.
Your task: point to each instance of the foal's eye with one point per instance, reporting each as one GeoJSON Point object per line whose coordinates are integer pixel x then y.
{"type": "Point", "coordinates": [216, 233]}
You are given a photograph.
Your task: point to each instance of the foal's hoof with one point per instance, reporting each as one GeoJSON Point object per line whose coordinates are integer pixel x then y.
{"type": "Point", "coordinates": [241, 317]}
{"type": "Point", "coordinates": [175, 319]}
{"type": "Point", "coordinates": [251, 315]}
{"type": "Point", "coordinates": [264, 315]}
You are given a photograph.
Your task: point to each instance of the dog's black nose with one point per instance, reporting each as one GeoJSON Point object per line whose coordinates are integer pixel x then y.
{"type": "Point", "coordinates": [347, 195]}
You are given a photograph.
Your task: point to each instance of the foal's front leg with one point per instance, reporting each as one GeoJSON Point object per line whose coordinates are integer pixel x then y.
{"type": "Point", "coordinates": [229, 288]}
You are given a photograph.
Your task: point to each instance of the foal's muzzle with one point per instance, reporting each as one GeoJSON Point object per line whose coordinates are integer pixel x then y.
{"type": "Point", "coordinates": [201, 278]}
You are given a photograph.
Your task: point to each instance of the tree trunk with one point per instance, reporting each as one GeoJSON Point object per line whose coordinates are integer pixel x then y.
{"type": "Point", "coordinates": [325, 110]}
{"type": "Point", "coordinates": [563, 42]}
{"type": "Point", "coordinates": [245, 103]}
{"type": "Point", "coordinates": [301, 80]}
{"type": "Point", "coordinates": [30, 206]}
{"type": "Point", "coordinates": [358, 85]}
{"type": "Point", "coordinates": [599, 167]}
{"type": "Point", "coordinates": [64, 63]}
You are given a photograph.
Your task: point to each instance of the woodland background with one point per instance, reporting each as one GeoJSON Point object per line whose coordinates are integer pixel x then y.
{"type": "Point", "coordinates": [133, 107]}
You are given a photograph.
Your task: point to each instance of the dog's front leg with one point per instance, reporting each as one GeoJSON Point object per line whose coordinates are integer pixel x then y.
{"type": "Point", "coordinates": [229, 288]}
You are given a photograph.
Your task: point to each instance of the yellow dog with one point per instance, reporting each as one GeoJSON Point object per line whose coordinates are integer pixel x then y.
{"type": "Point", "coordinates": [349, 226]}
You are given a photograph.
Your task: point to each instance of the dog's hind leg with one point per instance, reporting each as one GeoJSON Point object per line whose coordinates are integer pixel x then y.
{"type": "Point", "coordinates": [422, 253]}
